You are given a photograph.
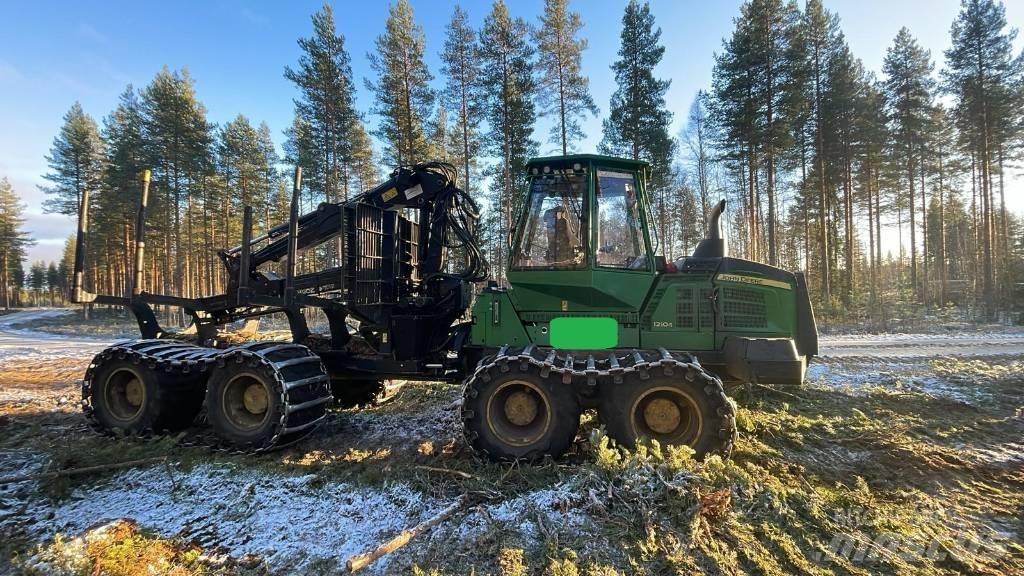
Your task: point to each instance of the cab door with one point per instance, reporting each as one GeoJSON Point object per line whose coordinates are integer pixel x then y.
{"type": "Point", "coordinates": [623, 261]}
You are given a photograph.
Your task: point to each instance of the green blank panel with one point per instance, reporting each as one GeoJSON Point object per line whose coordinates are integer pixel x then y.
{"type": "Point", "coordinates": [584, 333]}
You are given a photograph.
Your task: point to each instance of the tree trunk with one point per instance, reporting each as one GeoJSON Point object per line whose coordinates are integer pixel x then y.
{"type": "Point", "coordinates": [826, 281]}
{"type": "Point", "coordinates": [925, 289]}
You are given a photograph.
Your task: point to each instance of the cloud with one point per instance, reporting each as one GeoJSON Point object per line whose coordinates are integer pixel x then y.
{"type": "Point", "coordinates": [49, 232]}
{"type": "Point", "coordinates": [46, 227]}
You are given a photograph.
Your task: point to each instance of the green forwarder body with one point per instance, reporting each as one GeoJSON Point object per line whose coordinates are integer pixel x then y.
{"type": "Point", "coordinates": [744, 320]}
{"type": "Point", "coordinates": [741, 322]}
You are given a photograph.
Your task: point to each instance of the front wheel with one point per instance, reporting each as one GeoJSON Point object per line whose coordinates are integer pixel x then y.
{"type": "Point", "coordinates": [687, 406]}
{"type": "Point", "coordinates": [511, 412]}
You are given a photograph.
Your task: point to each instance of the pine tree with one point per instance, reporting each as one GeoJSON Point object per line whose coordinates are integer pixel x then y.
{"type": "Point", "coordinates": [820, 31]}
{"type": "Point", "coordinates": [364, 173]}
{"type": "Point", "coordinates": [242, 161]}
{"type": "Point", "coordinates": [66, 266]}
{"type": "Point", "coordinates": [404, 99]}
{"type": "Point", "coordinates": [52, 282]}
{"type": "Point", "coordinates": [873, 137]}
{"type": "Point", "coordinates": [325, 110]}
{"type": "Point", "coordinates": [506, 73]}
{"type": "Point", "coordinates": [986, 81]}
{"type": "Point", "coordinates": [178, 139]}
{"type": "Point", "coordinates": [113, 219]}
{"type": "Point", "coordinates": [734, 110]}
{"type": "Point", "coordinates": [13, 240]}
{"type": "Point", "coordinates": [562, 90]}
{"type": "Point", "coordinates": [76, 160]}
{"type": "Point", "coordinates": [844, 86]}
{"type": "Point", "coordinates": [908, 86]}
{"type": "Point", "coordinates": [37, 279]}
{"type": "Point", "coordinates": [462, 93]}
{"type": "Point", "coordinates": [638, 118]}
{"type": "Point", "coordinates": [760, 98]}
{"type": "Point", "coordinates": [268, 176]}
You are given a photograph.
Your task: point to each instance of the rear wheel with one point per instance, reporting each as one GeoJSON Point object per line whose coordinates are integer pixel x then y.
{"type": "Point", "coordinates": [244, 404]}
{"type": "Point", "coordinates": [685, 407]}
{"type": "Point", "coordinates": [129, 397]}
{"type": "Point", "coordinates": [518, 414]}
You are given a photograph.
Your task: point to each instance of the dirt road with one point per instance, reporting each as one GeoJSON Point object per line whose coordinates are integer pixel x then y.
{"type": "Point", "coordinates": [18, 341]}
{"type": "Point", "coordinates": [921, 345]}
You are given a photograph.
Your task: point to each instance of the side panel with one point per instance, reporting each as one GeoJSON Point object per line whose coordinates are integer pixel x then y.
{"type": "Point", "coordinates": [579, 290]}
{"type": "Point", "coordinates": [754, 300]}
{"type": "Point", "coordinates": [495, 322]}
{"type": "Point", "coordinates": [679, 314]}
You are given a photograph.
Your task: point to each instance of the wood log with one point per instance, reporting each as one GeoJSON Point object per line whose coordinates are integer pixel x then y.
{"type": "Point", "coordinates": [362, 560]}
{"type": "Point", "coordinates": [458, 473]}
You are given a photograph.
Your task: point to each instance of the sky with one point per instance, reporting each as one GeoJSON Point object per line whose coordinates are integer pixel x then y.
{"type": "Point", "coordinates": [55, 53]}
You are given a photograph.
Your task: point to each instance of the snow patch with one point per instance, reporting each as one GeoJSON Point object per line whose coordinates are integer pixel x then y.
{"type": "Point", "coordinates": [529, 514]}
{"type": "Point", "coordinates": [859, 380]}
{"type": "Point", "coordinates": [287, 521]}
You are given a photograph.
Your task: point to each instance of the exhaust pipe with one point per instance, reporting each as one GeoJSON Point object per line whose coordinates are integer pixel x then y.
{"type": "Point", "coordinates": [713, 245]}
{"type": "Point", "coordinates": [715, 224]}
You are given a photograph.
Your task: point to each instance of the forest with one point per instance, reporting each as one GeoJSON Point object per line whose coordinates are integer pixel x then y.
{"type": "Point", "coordinates": [888, 187]}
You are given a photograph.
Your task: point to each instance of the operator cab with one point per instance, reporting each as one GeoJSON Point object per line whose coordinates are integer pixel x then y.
{"type": "Point", "coordinates": [581, 240]}
{"type": "Point", "coordinates": [566, 194]}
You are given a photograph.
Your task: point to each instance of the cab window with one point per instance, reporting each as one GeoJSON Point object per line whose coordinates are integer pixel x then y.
{"type": "Point", "coordinates": [620, 243]}
{"type": "Point", "coordinates": [553, 235]}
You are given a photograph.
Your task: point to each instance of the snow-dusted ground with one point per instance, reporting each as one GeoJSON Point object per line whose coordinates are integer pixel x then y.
{"type": "Point", "coordinates": [293, 521]}
{"type": "Point", "coordinates": [894, 376]}
{"type": "Point", "coordinates": [26, 343]}
{"type": "Point", "coordinates": [288, 522]}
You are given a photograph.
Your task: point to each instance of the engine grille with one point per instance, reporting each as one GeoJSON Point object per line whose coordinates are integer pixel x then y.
{"type": "Point", "coordinates": [743, 308]}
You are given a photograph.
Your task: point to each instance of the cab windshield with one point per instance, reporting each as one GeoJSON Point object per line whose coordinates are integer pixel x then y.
{"type": "Point", "coordinates": [553, 235]}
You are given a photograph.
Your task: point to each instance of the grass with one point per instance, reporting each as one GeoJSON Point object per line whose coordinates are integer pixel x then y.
{"type": "Point", "coordinates": [121, 548]}
{"type": "Point", "coordinates": [887, 479]}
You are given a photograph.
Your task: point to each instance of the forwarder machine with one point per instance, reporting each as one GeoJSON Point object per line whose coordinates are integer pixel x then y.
{"type": "Point", "coordinates": [589, 318]}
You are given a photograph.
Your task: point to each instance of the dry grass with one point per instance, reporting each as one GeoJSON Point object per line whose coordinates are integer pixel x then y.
{"type": "Point", "coordinates": [121, 548]}
{"type": "Point", "coordinates": [42, 374]}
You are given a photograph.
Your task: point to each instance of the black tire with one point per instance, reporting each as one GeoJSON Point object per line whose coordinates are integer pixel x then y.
{"type": "Point", "coordinates": [511, 413]}
{"type": "Point", "coordinates": [248, 427]}
{"type": "Point", "coordinates": [688, 406]}
{"type": "Point", "coordinates": [127, 397]}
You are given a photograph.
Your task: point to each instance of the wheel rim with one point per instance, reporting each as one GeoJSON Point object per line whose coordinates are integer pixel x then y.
{"type": "Point", "coordinates": [668, 415]}
{"type": "Point", "coordinates": [125, 394]}
{"type": "Point", "coordinates": [519, 413]}
{"type": "Point", "coordinates": [245, 402]}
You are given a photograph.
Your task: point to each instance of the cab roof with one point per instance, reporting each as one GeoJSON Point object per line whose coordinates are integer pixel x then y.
{"type": "Point", "coordinates": [610, 161]}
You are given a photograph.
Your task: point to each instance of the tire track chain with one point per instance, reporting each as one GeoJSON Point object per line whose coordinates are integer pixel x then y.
{"type": "Point", "coordinates": [188, 360]}
{"type": "Point", "coordinates": [611, 368]}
